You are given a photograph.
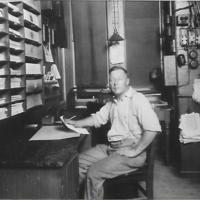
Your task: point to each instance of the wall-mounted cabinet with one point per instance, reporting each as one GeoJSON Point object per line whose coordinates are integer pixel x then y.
{"type": "Point", "coordinates": [21, 79]}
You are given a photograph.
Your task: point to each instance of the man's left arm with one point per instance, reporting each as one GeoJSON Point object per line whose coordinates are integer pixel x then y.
{"type": "Point", "coordinates": [149, 122]}
{"type": "Point", "coordinates": [145, 141]}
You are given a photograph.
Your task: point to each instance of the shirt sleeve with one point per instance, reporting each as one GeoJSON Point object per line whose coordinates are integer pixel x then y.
{"type": "Point", "coordinates": [102, 116]}
{"type": "Point", "coordinates": [146, 115]}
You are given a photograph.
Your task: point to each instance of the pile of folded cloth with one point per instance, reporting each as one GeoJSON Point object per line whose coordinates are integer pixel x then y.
{"type": "Point", "coordinates": [190, 128]}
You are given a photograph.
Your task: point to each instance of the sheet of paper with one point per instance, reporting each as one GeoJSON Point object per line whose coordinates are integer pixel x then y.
{"type": "Point", "coordinates": [117, 53]}
{"type": "Point", "coordinates": [71, 127]}
{"type": "Point", "coordinates": [53, 133]}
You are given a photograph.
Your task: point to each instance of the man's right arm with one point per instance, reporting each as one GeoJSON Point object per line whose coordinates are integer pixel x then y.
{"type": "Point", "coordinates": [97, 119]}
{"type": "Point", "coordinates": [88, 121]}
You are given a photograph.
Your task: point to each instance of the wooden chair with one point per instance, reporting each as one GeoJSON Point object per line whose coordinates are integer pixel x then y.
{"type": "Point", "coordinates": [116, 188]}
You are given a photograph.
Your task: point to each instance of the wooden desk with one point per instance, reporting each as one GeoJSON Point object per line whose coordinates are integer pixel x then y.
{"type": "Point", "coordinates": [38, 169]}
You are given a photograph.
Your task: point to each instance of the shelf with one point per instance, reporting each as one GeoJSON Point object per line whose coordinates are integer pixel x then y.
{"type": "Point", "coordinates": [17, 88]}
{"type": "Point", "coordinates": [3, 47]}
{"type": "Point", "coordinates": [16, 63]}
{"type": "Point", "coordinates": [15, 25]}
{"type": "Point", "coordinates": [31, 26]}
{"type": "Point", "coordinates": [18, 101]}
{"type": "Point", "coordinates": [16, 51]}
{"type": "Point", "coordinates": [4, 90]}
{"type": "Point", "coordinates": [2, 4]}
{"type": "Point", "coordinates": [35, 43]}
{"type": "Point", "coordinates": [34, 76]}
{"type": "Point", "coordinates": [14, 10]}
{"type": "Point", "coordinates": [15, 37]}
{"type": "Point", "coordinates": [31, 7]}
{"type": "Point", "coordinates": [20, 50]}
{"type": "Point", "coordinates": [3, 33]}
{"type": "Point", "coordinates": [2, 19]}
{"type": "Point", "coordinates": [32, 60]}
{"type": "Point", "coordinates": [4, 75]}
{"type": "Point", "coordinates": [4, 104]}
{"type": "Point", "coordinates": [34, 92]}
{"type": "Point", "coordinates": [3, 62]}
{"type": "Point", "coordinates": [17, 75]}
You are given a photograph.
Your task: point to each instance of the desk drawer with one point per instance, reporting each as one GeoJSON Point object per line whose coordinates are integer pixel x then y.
{"type": "Point", "coordinates": [33, 51]}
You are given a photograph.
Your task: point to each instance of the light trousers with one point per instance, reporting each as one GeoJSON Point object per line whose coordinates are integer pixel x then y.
{"type": "Point", "coordinates": [98, 164]}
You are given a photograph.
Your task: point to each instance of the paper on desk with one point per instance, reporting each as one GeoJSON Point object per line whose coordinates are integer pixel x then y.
{"type": "Point", "coordinates": [71, 127]}
{"type": "Point", "coordinates": [78, 130]}
{"type": "Point", "coordinates": [53, 133]}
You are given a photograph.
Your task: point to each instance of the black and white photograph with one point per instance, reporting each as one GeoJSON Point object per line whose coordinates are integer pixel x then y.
{"type": "Point", "coordinates": [100, 99]}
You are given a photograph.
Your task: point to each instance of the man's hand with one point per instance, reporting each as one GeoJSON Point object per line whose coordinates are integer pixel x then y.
{"type": "Point", "coordinates": [75, 123]}
{"type": "Point", "coordinates": [127, 151]}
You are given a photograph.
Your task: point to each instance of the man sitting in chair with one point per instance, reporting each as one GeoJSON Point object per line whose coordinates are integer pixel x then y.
{"type": "Point", "coordinates": [134, 125]}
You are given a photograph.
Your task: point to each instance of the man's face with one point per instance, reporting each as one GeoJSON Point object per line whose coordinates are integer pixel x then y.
{"type": "Point", "coordinates": [119, 82]}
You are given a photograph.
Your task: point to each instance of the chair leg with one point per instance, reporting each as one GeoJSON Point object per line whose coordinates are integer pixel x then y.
{"type": "Point", "coordinates": [149, 189]}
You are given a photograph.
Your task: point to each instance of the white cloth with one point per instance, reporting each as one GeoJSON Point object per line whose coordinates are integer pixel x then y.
{"type": "Point", "coordinates": [196, 92]}
{"type": "Point", "coordinates": [190, 128]}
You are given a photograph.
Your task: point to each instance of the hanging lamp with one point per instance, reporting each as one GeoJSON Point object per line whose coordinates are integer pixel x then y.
{"type": "Point", "coordinates": [115, 38]}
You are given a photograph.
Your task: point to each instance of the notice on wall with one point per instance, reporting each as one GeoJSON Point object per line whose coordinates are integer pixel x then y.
{"type": "Point", "coordinates": [117, 53]}
{"type": "Point", "coordinates": [47, 54]}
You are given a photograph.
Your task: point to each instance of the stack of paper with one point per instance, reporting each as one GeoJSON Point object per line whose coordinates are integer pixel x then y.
{"type": "Point", "coordinates": [13, 19]}
{"type": "Point", "coordinates": [16, 82]}
{"type": "Point", "coordinates": [15, 45]}
{"type": "Point", "coordinates": [33, 68]}
{"type": "Point", "coordinates": [34, 100]}
{"type": "Point", "coordinates": [15, 71]}
{"type": "Point", "coordinates": [16, 108]}
{"type": "Point", "coordinates": [3, 113]}
{"type": "Point", "coordinates": [1, 12]}
{"type": "Point", "coordinates": [3, 56]}
{"type": "Point", "coordinates": [190, 128]}
{"type": "Point", "coordinates": [16, 97]}
{"type": "Point", "coordinates": [14, 8]}
{"type": "Point", "coordinates": [14, 58]}
{"type": "Point", "coordinates": [14, 32]}
{"type": "Point", "coordinates": [75, 129]}
{"type": "Point", "coordinates": [2, 71]}
{"type": "Point", "coordinates": [2, 83]}
{"type": "Point", "coordinates": [3, 100]}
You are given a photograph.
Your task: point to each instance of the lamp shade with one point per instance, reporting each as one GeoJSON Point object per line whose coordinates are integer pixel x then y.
{"type": "Point", "coordinates": [115, 37]}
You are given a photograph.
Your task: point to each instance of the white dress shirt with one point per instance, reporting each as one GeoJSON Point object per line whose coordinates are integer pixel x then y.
{"type": "Point", "coordinates": [130, 116]}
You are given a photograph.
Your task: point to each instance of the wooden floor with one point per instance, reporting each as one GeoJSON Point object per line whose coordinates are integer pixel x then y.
{"type": "Point", "coordinates": [170, 185]}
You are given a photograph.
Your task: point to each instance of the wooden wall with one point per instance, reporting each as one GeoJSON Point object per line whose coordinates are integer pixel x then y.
{"type": "Point", "coordinates": [142, 40]}
{"type": "Point", "coordinates": [90, 35]}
